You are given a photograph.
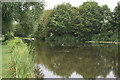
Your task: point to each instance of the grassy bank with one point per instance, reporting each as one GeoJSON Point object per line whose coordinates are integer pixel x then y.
{"type": "Point", "coordinates": [103, 42]}
{"type": "Point", "coordinates": [0, 61]}
{"type": "Point", "coordinates": [5, 58]}
{"type": "Point", "coordinates": [17, 61]}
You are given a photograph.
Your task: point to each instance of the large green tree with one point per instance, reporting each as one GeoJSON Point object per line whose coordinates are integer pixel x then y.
{"type": "Point", "coordinates": [91, 19]}
{"type": "Point", "coordinates": [116, 21]}
{"type": "Point", "coordinates": [105, 30]}
{"type": "Point", "coordinates": [41, 33]}
{"type": "Point", "coordinates": [9, 13]}
{"type": "Point", "coordinates": [26, 14]}
{"type": "Point", "coordinates": [110, 26]}
{"type": "Point", "coordinates": [61, 22]}
{"type": "Point", "coordinates": [30, 17]}
{"type": "Point", "coordinates": [68, 22]}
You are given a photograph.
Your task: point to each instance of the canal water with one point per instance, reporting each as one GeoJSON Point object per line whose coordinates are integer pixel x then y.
{"type": "Point", "coordinates": [79, 60]}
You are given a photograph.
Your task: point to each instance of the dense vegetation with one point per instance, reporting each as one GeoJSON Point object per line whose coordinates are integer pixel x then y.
{"type": "Point", "coordinates": [21, 63]}
{"type": "Point", "coordinates": [18, 61]}
{"type": "Point", "coordinates": [63, 23]}
{"type": "Point", "coordinates": [76, 23]}
{"type": "Point", "coordinates": [21, 18]}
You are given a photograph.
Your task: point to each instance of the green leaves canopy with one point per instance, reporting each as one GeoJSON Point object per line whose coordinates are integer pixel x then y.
{"type": "Point", "coordinates": [66, 21]}
{"type": "Point", "coordinates": [26, 14]}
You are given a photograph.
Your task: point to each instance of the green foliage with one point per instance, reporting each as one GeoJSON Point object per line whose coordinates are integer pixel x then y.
{"type": "Point", "coordinates": [18, 31]}
{"type": "Point", "coordinates": [9, 36]}
{"type": "Point", "coordinates": [21, 63]}
{"type": "Point", "coordinates": [92, 17]}
{"type": "Point", "coordinates": [30, 17]}
{"type": "Point", "coordinates": [116, 20]}
{"type": "Point", "coordinates": [61, 22]}
{"type": "Point", "coordinates": [66, 22]}
{"type": "Point", "coordinates": [109, 30]}
{"type": "Point", "coordinates": [26, 14]}
{"type": "Point", "coordinates": [5, 59]}
{"type": "Point", "coordinates": [10, 12]}
{"type": "Point", "coordinates": [44, 20]}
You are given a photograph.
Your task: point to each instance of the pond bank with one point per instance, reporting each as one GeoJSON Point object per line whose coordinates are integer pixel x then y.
{"type": "Point", "coordinates": [5, 58]}
{"type": "Point", "coordinates": [14, 60]}
{"type": "Point", "coordinates": [106, 42]}
{"type": "Point", "coordinates": [103, 42]}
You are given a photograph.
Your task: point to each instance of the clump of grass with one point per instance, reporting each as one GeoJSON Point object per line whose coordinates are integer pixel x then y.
{"type": "Point", "coordinates": [21, 63]}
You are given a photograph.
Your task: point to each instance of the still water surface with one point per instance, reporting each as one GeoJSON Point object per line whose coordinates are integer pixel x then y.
{"type": "Point", "coordinates": [77, 60]}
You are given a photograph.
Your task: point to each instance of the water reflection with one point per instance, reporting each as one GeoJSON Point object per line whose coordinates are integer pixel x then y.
{"type": "Point", "coordinates": [81, 61]}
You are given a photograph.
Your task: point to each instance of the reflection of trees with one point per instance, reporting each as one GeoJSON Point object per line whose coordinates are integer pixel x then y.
{"type": "Point", "coordinates": [88, 61]}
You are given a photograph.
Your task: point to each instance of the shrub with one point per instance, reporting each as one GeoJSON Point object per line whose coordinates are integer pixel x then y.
{"type": "Point", "coordinates": [9, 36]}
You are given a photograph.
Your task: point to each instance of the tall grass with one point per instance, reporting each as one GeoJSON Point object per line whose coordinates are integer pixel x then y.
{"type": "Point", "coordinates": [21, 63]}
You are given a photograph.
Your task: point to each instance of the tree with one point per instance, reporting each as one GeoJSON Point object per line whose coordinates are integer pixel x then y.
{"type": "Point", "coordinates": [67, 23]}
{"type": "Point", "coordinates": [110, 25]}
{"type": "Point", "coordinates": [91, 18]}
{"type": "Point", "coordinates": [30, 17]}
{"type": "Point", "coordinates": [105, 30]}
{"type": "Point", "coordinates": [26, 14]}
{"type": "Point", "coordinates": [41, 33]}
{"type": "Point", "coordinates": [61, 23]}
{"type": "Point", "coordinates": [116, 21]}
{"type": "Point", "coordinates": [9, 13]}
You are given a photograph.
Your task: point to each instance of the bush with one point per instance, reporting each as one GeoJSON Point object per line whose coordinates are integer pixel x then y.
{"type": "Point", "coordinates": [9, 36]}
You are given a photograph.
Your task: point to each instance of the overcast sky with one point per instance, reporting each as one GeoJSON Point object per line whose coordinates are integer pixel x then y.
{"type": "Point", "coordinates": [51, 3]}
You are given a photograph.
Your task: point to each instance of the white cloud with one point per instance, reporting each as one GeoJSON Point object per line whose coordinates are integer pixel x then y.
{"type": "Point", "coordinates": [51, 3]}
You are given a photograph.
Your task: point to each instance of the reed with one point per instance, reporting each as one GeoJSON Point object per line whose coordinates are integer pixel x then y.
{"type": "Point", "coordinates": [21, 62]}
